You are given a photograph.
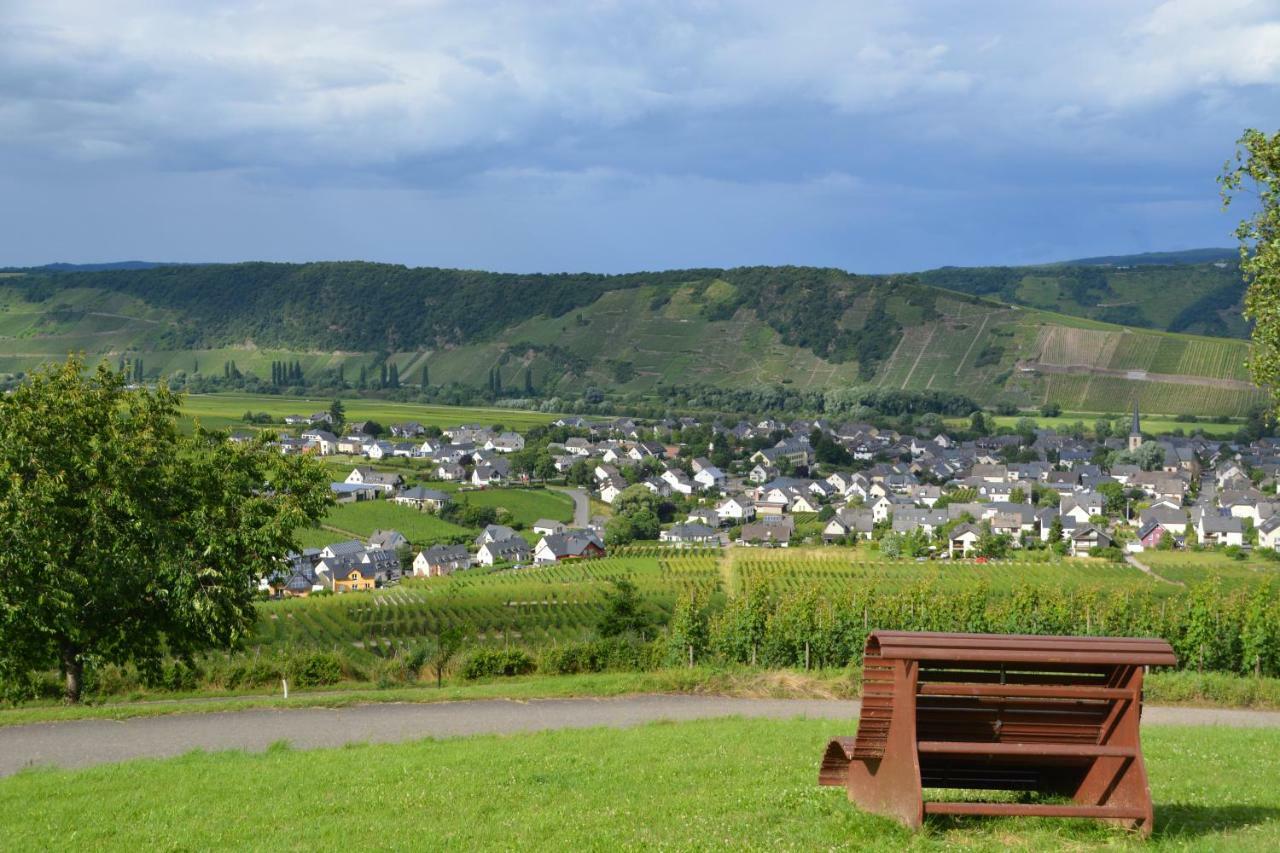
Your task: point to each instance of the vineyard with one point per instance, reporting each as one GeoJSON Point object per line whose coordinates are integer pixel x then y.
{"type": "Point", "coordinates": [545, 605]}
{"type": "Point", "coordinates": [838, 573]}
{"type": "Point", "coordinates": [535, 606]}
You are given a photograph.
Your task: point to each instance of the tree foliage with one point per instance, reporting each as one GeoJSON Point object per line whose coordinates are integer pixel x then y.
{"type": "Point", "coordinates": [124, 540]}
{"type": "Point", "coordinates": [1256, 170]}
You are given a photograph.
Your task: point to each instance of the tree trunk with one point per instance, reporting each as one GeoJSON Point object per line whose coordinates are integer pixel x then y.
{"type": "Point", "coordinates": [73, 667]}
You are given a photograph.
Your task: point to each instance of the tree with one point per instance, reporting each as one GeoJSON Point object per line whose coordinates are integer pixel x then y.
{"type": "Point", "coordinates": [125, 540]}
{"type": "Point", "coordinates": [1257, 165]}
{"type": "Point", "coordinates": [977, 423]}
{"type": "Point", "coordinates": [338, 413]}
{"type": "Point", "coordinates": [1050, 410]}
{"type": "Point", "coordinates": [426, 376]}
{"type": "Point", "coordinates": [623, 614]}
{"type": "Point", "coordinates": [448, 642]}
{"type": "Point", "coordinates": [1114, 496]}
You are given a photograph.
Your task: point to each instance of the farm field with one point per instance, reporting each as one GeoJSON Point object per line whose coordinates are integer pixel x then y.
{"type": "Point", "coordinates": [755, 788]}
{"type": "Point", "coordinates": [1155, 425]}
{"type": "Point", "coordinates": [218, 411]}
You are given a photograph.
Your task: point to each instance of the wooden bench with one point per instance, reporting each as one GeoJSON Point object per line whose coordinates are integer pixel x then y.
{"type": "Point", "coordinates": [999, 712]}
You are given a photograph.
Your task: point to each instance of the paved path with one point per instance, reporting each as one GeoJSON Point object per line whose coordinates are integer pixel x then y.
{"type": "Point", "coordinates": [581, 507]}
{"type": "Point", "coordinates": [82, 743]}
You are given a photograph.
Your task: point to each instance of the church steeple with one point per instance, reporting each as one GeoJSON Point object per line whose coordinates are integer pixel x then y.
{"type": "Point", "coordinates": [1135, 431]}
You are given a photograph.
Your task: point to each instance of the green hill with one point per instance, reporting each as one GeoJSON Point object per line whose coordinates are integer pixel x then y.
{"type": "Point", "coordinates": [643, 334]}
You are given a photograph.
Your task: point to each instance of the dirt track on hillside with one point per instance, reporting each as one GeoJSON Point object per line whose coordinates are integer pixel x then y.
{"type": "Point", "coordinates": [1138, 375]}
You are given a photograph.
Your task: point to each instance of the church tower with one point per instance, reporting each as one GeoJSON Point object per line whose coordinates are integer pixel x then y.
{"type": "Point", "coordinates": [1135, 431]}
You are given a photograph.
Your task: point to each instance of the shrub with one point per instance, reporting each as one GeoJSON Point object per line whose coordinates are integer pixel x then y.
{"type": "Point", "coordinates": [487, 663]}
{"type": "Point", "coordinates": [611, 654]}
{"type": "Point", "coordinates": [313, 669]}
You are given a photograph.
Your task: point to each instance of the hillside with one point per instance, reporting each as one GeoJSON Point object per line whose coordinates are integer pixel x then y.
{"type": "Point", "coordinates": [1197, 296]}
{"type": "Point", "coordinates": [641, 334]}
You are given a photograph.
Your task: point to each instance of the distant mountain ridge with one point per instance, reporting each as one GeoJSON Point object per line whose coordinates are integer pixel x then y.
{"type": "Point", "coordinates": [1002, 335]}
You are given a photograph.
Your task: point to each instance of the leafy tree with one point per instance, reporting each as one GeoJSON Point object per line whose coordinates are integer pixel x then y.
{"type": "Point", "coordinates": [689, 631]}
{"type": "Point", "coordinates": [1114, 496]}
{"type": "Point", "coordinates": [1256, 170]}
{"type": "Point", "coordinates": [447, 643]}
{"type": "Point", "coordinates": [338, 413]}
{"type": "Point", "coordinates": [125, 540]}
{"type": "Point", "coordinates": [623, 612]}
{"type": "Point", "coordinates": [1050, 410]}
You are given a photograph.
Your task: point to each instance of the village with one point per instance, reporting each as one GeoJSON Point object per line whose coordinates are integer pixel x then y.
{"type": "Point", "coordinates": [683, 483]}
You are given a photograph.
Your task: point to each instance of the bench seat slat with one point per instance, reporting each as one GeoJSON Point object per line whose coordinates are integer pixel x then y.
{"type": "Point", "coordinates": [1038, 691]}
{"type": "Point", "coordinates": [1049, 749]}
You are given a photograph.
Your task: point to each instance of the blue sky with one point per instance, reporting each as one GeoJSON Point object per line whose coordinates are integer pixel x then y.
{"type": "Point", "coordinates": [614, 136]}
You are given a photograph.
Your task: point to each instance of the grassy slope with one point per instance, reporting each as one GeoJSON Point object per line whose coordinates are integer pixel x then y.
{"type": "Point", "coordinates": [631, 342]}
{"type": "Point", "coordinates": [726, 784]}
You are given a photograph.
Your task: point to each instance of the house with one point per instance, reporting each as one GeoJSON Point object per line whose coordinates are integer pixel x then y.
{"type": "Point", "coordinates": [572, 545]}
{"type": "Point", "coordinates": [494, 533]}
{"type": "Point", "coordinates": [423, 498]}
{"type": "Point", "coordinates": [507, 442]}
{"type": "Point", "coordinates": [412, 429]}
{"type": "Point", "coordinates": [610, 490]}
{"type": "Point", "coordinates": [546, 526]}
{"type": "Point", "coordinates": [386, 482]}
{"type": "Point", "coordinates": [1151, 534]}
{"type": "Point", "coordinates": [849, 523]}
{"type": "Point", "coordinates": [1220, 530]}
{"type": "Point", "coordinates": [379, 449]}
{"type": "Point", "coordinates": [512, 550]}
{"type": "Point", "coordinates": [734, 510]}
{"type": "Point", "coordinates": [706, 475]}
{"type": "Point", "coordinates": [450, 472]}
{"type": "Point", "coordinates": [1269, 533]}
{"type": "Point", "coordinates": [388, 540]}
{"type": "Point", "coordinates": [439, 560]}
{"type": "Point", "coordinates": [678, 481]}
{"type": "Point", "coordinates": [768, 533]}
{"type": "Point", "coordinates": [349, 566]}
{"type": "Point", "coordinates": [689, 534]}
{"type": "Point", "coordinates": [352, 492]}
{"type": "Point", "coordinates": [1086, 539]}
{"type": "Point", "coordinates": [963, 540]}
{"type": "Point", "coordinates": [488, 475]}
{"type": "Point", "coordinates": [704, 515]}
{"type": "Point", "coordinates": [323, 440]}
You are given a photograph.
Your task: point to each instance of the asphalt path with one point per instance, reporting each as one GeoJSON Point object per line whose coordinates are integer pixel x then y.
{"type": "Point", "coordinates": [82, 743]}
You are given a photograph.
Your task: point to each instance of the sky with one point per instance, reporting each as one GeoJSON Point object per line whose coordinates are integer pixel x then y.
{"type": "Point", "coordinates": [621, 136]}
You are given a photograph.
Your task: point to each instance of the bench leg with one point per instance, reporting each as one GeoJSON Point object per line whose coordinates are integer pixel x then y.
{"type": "Point", "coordinates": [890, 786]}
{"type": "Point", "coordinates": [1121, 781]}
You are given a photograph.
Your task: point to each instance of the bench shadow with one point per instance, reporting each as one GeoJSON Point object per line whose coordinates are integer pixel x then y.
{"type": "Point", "coordinates": [1187, 820]}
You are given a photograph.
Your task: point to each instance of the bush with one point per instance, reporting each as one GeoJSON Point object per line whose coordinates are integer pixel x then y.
{"type": "Point", "coordinates": [488, 663]}
{"type": "Point", "coordinates": [313, 669]}
{"type": "Point", "coordinates": [612, 654]}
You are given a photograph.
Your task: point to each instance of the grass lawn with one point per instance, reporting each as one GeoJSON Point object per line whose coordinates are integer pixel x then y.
{"type": "Point", "coordinates": [719, 784]}
{"type": "Point", "coordinates": [363, 517]}
{"type": "Point", "coordinates": [1153, 424]}
{"type": "Point", "coordinates": [525, 505]}
{"type": "Point", "coordinates": [226, 410]}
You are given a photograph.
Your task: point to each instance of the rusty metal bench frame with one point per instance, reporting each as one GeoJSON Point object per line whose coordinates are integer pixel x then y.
{"type": "Point", "coordinates": [1056, 715]}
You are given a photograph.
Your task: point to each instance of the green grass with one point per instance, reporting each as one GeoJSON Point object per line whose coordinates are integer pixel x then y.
{"type": "Point", "coordinates": [225, 410]}
{"type": "Point", "coordinates": [719, 784]}
{"type": "Point", "coordinates": [525, 505]}
{"type": "Point", "coordinates": [363, 517]}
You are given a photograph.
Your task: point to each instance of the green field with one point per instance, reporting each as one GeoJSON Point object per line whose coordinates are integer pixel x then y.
{"type": "Point", "coordinates": [218, 411]}
{"type": "Point", "coordinates": [720, 784]}
{"type": "Point", "coordinates": [1194, 567]}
